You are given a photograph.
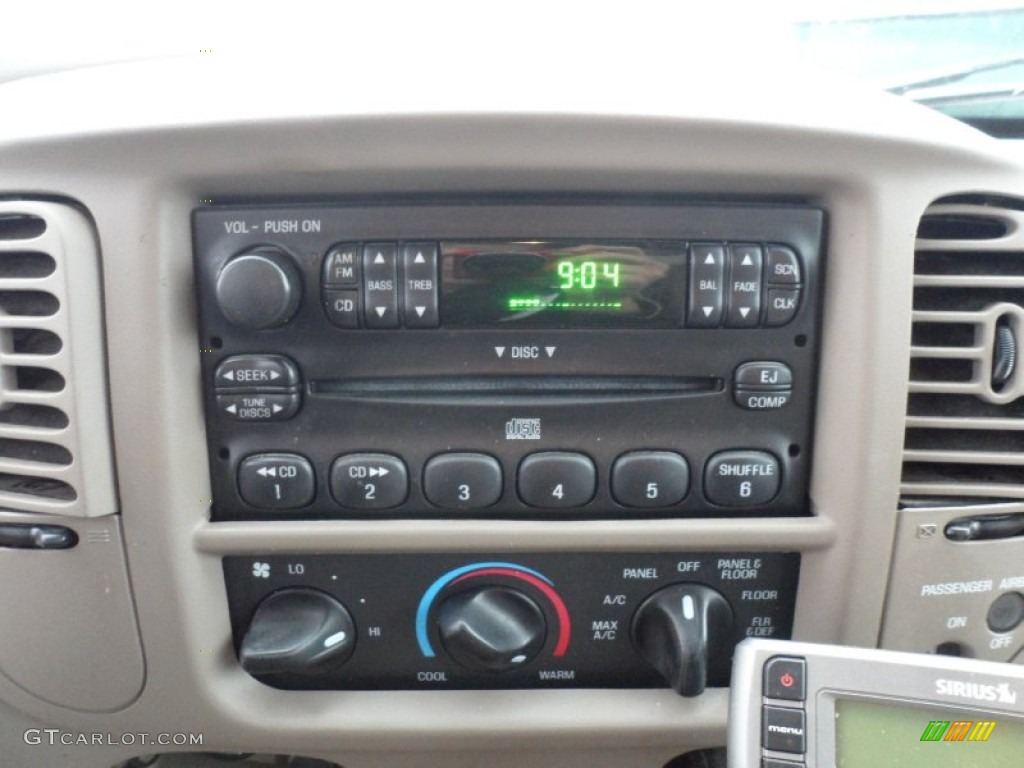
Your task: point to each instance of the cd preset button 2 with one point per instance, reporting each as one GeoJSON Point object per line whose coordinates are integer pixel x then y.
{"type": "Point", "coordinates": [369, 481]}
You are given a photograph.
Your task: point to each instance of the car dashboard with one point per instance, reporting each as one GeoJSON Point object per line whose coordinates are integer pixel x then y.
{"type": "Point", "coordinates": [185, 440]}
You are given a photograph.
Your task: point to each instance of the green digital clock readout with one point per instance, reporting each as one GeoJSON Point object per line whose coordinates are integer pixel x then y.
{"type": "Point", "coordinates": [585, 275]}
{"type": "Point", "coordinates": [588, 285]}
{"type": "Point", "coordinates": [562, 284]}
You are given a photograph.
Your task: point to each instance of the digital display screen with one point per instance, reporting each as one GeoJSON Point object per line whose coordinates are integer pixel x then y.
{"type": "Point", "coordinates": [870, 734]}
{"type": "Point", "coordinates": [562, 284]}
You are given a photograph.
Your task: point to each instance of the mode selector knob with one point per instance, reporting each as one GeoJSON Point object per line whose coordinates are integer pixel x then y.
{"type": "Point", "coordinates": [297, 630]}
{"type": "Point", "coordinates": [260, 288]}
{"type": "Point", "coordinates": [491, 628]}
{"type": "Point", "coordinates": [683, 632]}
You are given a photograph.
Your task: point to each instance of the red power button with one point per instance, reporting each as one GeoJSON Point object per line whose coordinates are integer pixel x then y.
{"type": "Point", "coordinates": [784, 678]}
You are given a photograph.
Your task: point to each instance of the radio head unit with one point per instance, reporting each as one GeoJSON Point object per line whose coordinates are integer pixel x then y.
{"type": "Point", "coordinates": [497, 360]}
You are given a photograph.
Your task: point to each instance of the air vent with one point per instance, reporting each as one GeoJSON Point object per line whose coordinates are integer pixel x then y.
{"type": "Point", "coordinates": [965, 411]}
{"type": "Point", "coordinates": [55, 446]}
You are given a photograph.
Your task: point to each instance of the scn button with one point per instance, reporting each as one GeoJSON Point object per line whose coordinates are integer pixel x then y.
{"type": "Point", "coordinates": [742, 478]}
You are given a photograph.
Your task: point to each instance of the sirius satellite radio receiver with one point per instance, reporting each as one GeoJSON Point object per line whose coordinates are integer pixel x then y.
{"type": "Point", "coordinates": [801, 705]}
{"type": "Point", "coordinates": [556, 361]}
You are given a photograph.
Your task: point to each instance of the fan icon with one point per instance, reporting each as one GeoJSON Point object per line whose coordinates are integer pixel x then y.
{"type": "Point", "coordinates": [261, 570]}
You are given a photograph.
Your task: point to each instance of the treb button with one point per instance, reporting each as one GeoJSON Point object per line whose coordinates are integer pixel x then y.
{"type": "Point", "coordinates": [419, 285]}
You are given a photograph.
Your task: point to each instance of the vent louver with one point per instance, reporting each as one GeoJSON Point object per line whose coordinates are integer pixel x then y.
{"type": "Point", "coordinates": [55, 447]}
{"type": "Point", "coordinates": [964, 434]}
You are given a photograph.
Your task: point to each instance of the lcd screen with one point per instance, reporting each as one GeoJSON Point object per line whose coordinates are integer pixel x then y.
{"type": "Point", "coordinates": [870, 734]}
{"type": "Point", "coordinates": [562, 284]}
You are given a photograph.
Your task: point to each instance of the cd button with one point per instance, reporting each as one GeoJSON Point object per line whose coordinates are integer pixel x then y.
{"type": "Point", "coordinates": [557, 480]}
{"type": "Point", "coordinates": [707, 276]}
{"type": "Point", "coordinates": [342, 308]}
{"type": "Point", "coordinates": [369, 481]}
{"type": "Point", "coordinates": [462, 480]}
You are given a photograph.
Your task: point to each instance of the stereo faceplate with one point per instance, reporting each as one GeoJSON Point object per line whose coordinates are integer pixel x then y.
{"type": "Point", "coordinates": [527, 422]}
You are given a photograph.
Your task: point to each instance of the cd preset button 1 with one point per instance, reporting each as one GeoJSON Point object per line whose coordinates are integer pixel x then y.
{"type": "Point", "coordinates": [369, 481]}
{"type": "Point", "coordinates": [276, 481]}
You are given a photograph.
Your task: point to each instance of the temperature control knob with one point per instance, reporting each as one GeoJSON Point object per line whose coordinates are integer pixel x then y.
{"type": "Point", "coordinates": [298, 630]}
{"type": "Point", "coordinates": [683, 631]}
{"type": "Point", "coordinates": [491, 628]}
{"type": "Point", "coordinates": [260, 288]}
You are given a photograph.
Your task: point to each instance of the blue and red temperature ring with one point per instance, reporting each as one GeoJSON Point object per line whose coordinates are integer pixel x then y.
{"type": "Point", "coordinates": [537, 580]}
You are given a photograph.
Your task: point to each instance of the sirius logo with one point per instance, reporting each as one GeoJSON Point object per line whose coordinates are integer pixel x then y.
{"type": "Point", "coordinates": [977, 691]}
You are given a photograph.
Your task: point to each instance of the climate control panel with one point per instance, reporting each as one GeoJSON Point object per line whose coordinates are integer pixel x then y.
{"type": "Point", "coordinates": [457, 621]}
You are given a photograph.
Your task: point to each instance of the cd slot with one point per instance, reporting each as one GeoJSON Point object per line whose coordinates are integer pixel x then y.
{"type": "Point", "coordinates": [518, 389]}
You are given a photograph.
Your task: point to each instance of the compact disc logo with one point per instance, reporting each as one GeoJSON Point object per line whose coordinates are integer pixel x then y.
{"type": "Point", "coordinates": [1001, 693]}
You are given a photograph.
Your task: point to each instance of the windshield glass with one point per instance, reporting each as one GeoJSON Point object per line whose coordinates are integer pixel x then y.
{"type": "Point", "coordinates": [963, 57]}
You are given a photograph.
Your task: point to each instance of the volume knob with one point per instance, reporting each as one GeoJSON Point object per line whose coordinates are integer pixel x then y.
{"type": "Point", "coordinates": [258, 289]}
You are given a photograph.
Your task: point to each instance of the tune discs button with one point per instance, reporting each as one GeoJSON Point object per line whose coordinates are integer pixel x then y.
{"type": "Point", "coordinates": [369, 481]}
{"type": "Point", "coordinates": [259, 406]}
